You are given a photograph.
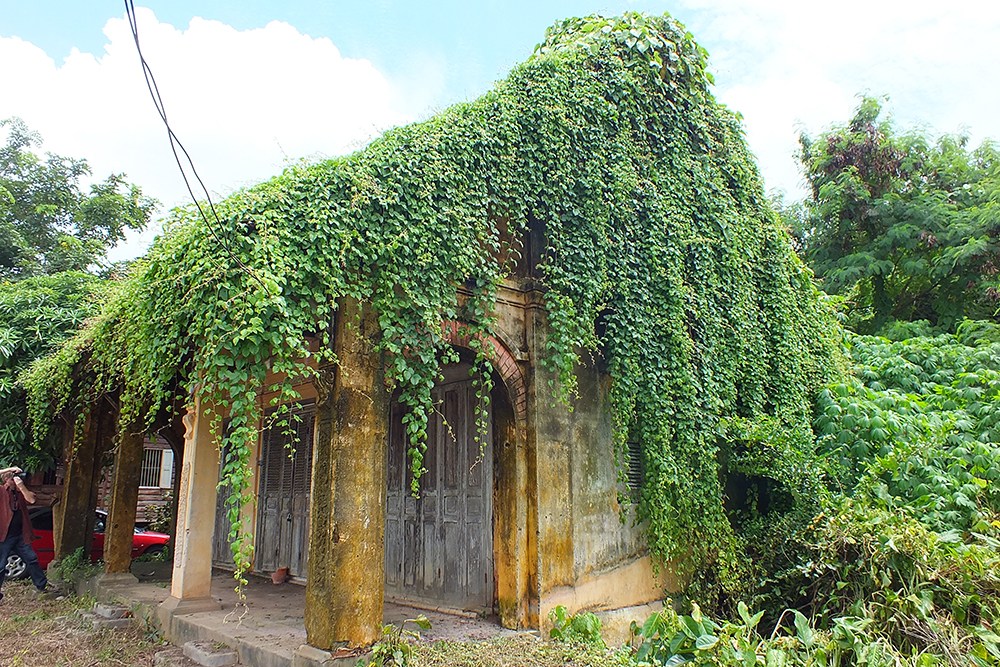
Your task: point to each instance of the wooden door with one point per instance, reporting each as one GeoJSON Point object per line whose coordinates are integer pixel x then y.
{"type": "Point", "coordinates": [283, 499]}
{"type": "Point", "coordinates": [222, 553]}
{"type": "Point", "coordinates": [439, 546]}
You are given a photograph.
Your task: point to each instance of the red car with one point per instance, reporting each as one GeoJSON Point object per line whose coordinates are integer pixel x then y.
{"type": "Point", "coordinates": [144, 543]}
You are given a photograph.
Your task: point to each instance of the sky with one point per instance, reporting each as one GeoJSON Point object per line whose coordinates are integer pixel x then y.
{"type": "Point", "coordinates": [250, 87]}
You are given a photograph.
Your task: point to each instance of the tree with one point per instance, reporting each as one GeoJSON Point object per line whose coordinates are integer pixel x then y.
{"type": "Point", "coordinates": [47, 223]}
{"type": "Point", "coordinates": [51, 235]}
{"type": "Point", "coordinates": [36, 316]}
{"type": "Point", "coordinates": [905, 227]}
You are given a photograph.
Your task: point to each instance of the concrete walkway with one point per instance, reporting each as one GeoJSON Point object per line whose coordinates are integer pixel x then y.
{"type": "Point", "coordinates": [268, 628]}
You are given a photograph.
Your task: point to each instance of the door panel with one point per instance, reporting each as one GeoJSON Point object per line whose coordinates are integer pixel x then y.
{"type": "Point", "coordinates": [439, 547]}
{"type": "Point", "coordinates": [222, 554]}
{"type": "Point", "coordinates": [283, 499]}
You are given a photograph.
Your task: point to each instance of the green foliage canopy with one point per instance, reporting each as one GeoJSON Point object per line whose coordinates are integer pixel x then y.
{"type": "Point", "coordinates": [47, 224]}
{"type": "Point", "coordinates": [661, 254]}
{"type": "Point", "coordinates": [905, 226]}
{"type": "Point", "coordinates": [919, 420]}
{"type": "Point", "coordinates": [37, 315]}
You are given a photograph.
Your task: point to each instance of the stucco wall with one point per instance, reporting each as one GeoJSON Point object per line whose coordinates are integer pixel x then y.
{"type": "Point", "coordinates": [588, 558]}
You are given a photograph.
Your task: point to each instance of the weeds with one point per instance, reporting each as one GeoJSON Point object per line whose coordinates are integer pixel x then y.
{"type": "Point", "coordinates": [51, 633]}
{"type": "Point", "coordinates": [394, 649]}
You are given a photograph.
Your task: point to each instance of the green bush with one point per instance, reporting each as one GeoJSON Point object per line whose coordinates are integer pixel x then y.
{"type": "Point", "coordinates": [885, 544]}
{"type": "Point", "coordinates": [75, 568]}
{"type": "Point", "coordinates": [584, 627]}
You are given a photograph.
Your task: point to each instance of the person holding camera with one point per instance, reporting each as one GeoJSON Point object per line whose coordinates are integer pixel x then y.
{"type": "Point", "coordinates": [15, 526]}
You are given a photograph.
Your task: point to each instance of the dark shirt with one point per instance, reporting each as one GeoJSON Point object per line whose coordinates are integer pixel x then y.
{"type": "Point", "coordinates": [15, 521]}
{"type": "Point", "coordinates": [13, 512]}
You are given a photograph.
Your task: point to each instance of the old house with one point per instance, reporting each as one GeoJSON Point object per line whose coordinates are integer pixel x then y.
{"type": "Point", "coordinates": [479, 365]}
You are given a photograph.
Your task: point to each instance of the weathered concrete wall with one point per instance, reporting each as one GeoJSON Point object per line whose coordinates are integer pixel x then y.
{"type": "Point", "coordinates": [601, 540]}
{"type": "Point", "coordinates": [588, 558]}
{"type": "Point", "coordinates": [559, 538]}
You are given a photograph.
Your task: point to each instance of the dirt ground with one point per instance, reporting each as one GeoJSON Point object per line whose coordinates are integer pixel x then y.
{"type": "Point", "coordinates": [52, 633]}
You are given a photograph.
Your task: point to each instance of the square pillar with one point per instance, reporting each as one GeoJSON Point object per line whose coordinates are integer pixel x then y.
{"type": "Point", "coordinates": [191, 581]}
{"type": "Point", "coordinates": [74, 522]}
{"type": "Point", "coordinates": [346, 585]}
{"type": "Point", "coordinates": [124, 499]}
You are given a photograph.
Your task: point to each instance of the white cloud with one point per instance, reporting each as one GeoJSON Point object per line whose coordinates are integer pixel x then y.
{"type": "Point", "coordinates": [790, 65]}
{"type": "Point", "coordinates": [245, 103]}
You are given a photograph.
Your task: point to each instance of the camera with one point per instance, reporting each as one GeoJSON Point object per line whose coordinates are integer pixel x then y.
{"type": "Point", "coordinates": [23, 474]}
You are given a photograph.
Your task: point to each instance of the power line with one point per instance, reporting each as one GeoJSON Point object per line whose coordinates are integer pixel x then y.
{"type": "Point", "coordinates": [176, 145]}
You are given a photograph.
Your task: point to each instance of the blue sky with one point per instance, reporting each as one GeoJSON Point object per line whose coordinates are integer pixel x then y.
{"type": "Point", "coordinates": [481, 40]}
{"type": "Point", "coordinates": [251, 86]}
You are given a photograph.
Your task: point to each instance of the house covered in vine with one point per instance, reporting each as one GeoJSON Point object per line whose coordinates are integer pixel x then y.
{"type": "Point", "coordinates": [486, 363]}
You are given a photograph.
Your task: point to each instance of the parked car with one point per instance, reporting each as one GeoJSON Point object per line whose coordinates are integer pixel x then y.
{"type": "Point", "coordinates": [144, 542]}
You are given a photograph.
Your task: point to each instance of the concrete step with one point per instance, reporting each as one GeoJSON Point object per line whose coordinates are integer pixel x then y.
{"type": "Point", "coordinates": [210, 654]}
{"type": "Point", "coordinates": [111, 611]}
{"type": "Point", "coordinates": [172, 657]}
{"type": "Point", "coordinates": [108, 618]}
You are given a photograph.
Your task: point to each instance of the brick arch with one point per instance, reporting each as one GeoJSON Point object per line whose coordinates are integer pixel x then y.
{"type": "Point", "coordinates": [501, 358]}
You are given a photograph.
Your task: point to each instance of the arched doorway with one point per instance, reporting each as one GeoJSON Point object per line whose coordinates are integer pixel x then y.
{"type": "Point", "coordinates": [439, 546]}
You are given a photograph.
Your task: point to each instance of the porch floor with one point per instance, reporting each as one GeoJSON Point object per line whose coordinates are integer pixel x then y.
{"type": "Point", "coordinates": [270, 626]}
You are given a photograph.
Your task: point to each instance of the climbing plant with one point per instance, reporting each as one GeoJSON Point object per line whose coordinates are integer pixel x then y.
{"type": "Point", "coordinates": [661, 254]}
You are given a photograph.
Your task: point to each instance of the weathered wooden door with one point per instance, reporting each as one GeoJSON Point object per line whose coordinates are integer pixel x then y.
{"type": "Point", "coordinates": [222, 554]}
{"type": "Point", "coordinates": [283, 500]}
{"type": "Point", "coordinates": [439, 547]}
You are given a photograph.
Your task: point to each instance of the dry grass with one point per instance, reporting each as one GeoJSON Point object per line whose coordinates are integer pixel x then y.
{"type": "Point", "coordinates": [516, 651]}
{"type": "Point", "coordinates": [51, 633]}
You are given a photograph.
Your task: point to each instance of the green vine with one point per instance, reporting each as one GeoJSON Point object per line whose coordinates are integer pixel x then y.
{"type": "Point", "coordinates": [661, 254]}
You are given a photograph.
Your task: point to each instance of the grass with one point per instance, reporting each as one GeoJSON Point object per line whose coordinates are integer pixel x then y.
{"type": "Point", "coordinates": [52, 633]}
{"type": "Point", "coordinates": [513, 651]}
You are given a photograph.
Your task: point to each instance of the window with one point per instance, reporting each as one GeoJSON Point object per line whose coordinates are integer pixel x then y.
{"type": "Point", "coordinates": [636, 473]}
{"type": "Point", "coordinates": [157, 469]}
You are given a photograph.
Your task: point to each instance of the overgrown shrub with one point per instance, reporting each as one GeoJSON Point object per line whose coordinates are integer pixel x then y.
{"type": "Point", "coordinates": [74, 568]}
{"type": "Point", "coordinates": [583, 627]}
{"type": "Point", "coordinates": [395, 648]}
{"type": "Point", "coordinates": [900, 556]}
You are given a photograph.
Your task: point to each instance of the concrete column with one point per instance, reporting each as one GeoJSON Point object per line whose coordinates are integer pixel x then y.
{"type": "Point", "coordinates": [124, 499]}
{"type": "Point", "coordinates": [345, 590]}
{"type": "Point", "coordinates": [65, 435]}
{"type": "Point", "coordinates": [514, 524]}
{"type": "Point", "coordinates": [191, 582]}
{"type": "Point", "coordinates": [170, 434]}
{"type": "Point", "coordinates": [74, 523]}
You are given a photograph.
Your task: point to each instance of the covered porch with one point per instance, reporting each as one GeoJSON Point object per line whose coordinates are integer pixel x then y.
{"type": "Point", "coordinates": [268, 627]}
{"type": "Point", "coordinates": [343, 603]}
